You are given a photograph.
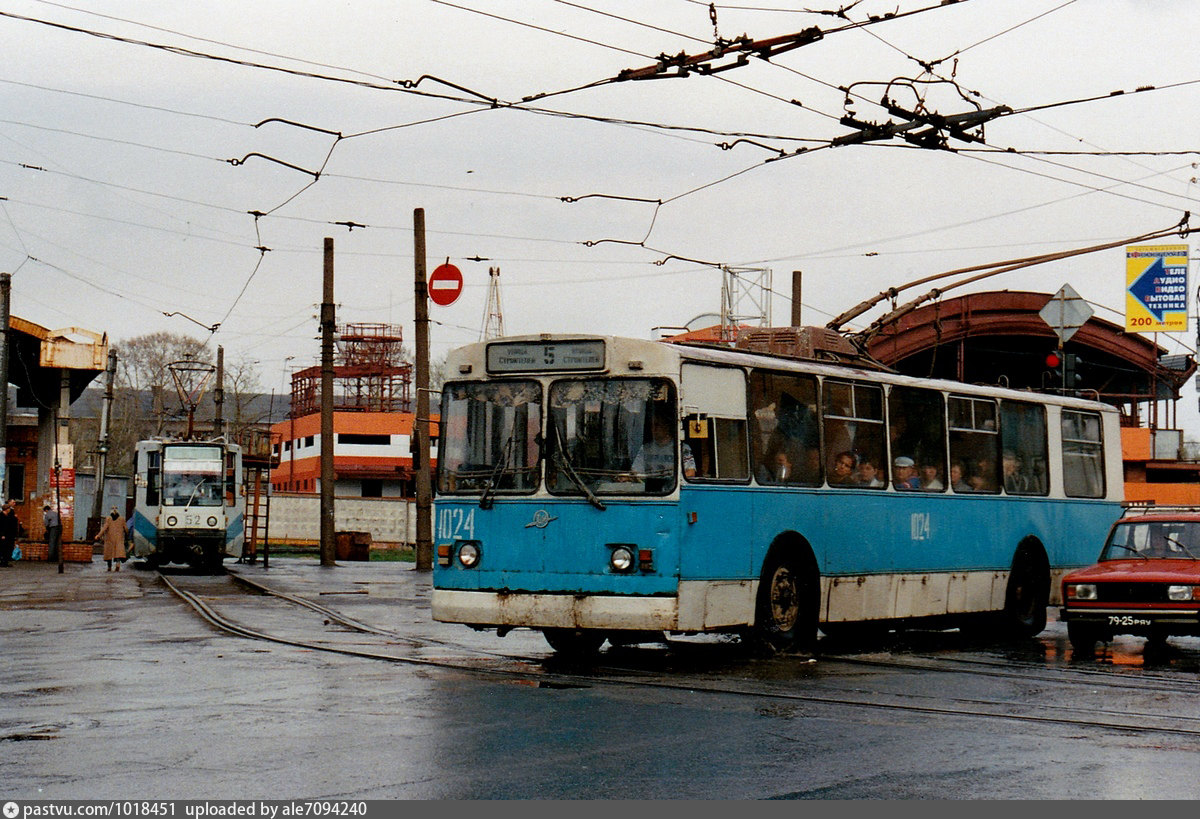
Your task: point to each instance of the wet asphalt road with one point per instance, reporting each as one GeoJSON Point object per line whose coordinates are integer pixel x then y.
{"type": "Point", "coordinates": [111, 687]}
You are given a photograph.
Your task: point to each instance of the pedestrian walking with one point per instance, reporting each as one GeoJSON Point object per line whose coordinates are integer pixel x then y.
{"type": "Point", "coordinates": [112, 535]}
{"type": "Point", "coordinates": [9, 527]}
{"type": "Point", "coordinates": [53, 522]}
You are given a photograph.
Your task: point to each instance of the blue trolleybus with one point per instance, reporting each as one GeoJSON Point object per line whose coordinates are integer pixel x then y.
{"type": "Point", "coordinates": [189, 502]}
{"type": "Point", "coordinates": [601, 488]}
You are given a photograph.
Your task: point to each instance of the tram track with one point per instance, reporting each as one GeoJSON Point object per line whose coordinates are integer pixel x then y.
{"type": "Point", "coordinates": [545, 675]}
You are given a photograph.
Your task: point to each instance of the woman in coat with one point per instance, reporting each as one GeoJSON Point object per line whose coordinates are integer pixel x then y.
{"type": "Point", "coordinates": [112, 535]}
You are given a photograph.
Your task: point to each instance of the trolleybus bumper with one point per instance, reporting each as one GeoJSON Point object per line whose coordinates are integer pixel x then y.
{"type": "Point", "coordinates": [589, 611]}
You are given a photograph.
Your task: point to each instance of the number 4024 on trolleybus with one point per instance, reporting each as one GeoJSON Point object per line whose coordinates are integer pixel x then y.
{"type": "Point", "coordinates": [601, 488]}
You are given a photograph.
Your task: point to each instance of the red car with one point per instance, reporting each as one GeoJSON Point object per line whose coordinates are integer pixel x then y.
{"type": "Point", "coordinates": [1146, 583]}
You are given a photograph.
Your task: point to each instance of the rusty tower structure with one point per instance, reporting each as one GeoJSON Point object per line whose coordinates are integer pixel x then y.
{"type": "Point", "coordinates": [369, 373]}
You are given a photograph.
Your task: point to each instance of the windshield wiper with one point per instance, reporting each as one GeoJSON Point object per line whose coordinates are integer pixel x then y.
{"type": "Point", "coordinates": [1130, 549]}
{"type": "Point", "coordinates": [564, 463]}
{"type": "Point", "coordinates": [1186, 550]}
{"type": "Point", "coordinates": [487, 499]}
{"type": "Point", "coordinates": [192, 496]}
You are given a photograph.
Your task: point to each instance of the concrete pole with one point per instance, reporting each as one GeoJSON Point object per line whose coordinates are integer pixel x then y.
{"type": "Point", "coordinates": [62, 439]}
{"type": "Point", "coordinates": [328, 551]}
{"type": "Point", "coordinates": [102, 443]}
{"type": "Point", "coordinates": [5, 296]}
{"type": "Point", "coordinates": [424, 544]}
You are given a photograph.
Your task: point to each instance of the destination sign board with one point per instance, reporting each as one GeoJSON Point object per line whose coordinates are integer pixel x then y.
{"type": "Point", "coordinates": [545, 356]}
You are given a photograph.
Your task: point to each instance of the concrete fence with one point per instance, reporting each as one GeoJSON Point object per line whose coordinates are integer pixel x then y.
{"type": "Point", "coordinates": [297, 518]}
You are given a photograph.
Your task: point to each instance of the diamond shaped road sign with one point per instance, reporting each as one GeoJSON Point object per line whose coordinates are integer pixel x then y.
{"type": "Point", "coordinates": [1066, 312]}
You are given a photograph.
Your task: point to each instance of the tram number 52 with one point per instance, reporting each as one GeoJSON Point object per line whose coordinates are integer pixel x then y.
{"type": "Point", "coordinates": [456, 524]}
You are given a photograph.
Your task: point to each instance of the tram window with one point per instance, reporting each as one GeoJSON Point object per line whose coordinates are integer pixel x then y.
{"type": "Point", "coordinates": [974, 444]}
{"type": "Point", "coordinates": [1023, 459]}
{"type": "Point", "coordinates": [1083, 455]}
{"type": "Point", "coordinates": [153, 477]}
{"type": "Point", "coordinates": [785, 440]}
{"type": "Point", "coordinates": [917, 430]}
{"type": "Point", "coordinates": [853, 418]}
{"type": "Point", "coordinates": [718, 446]}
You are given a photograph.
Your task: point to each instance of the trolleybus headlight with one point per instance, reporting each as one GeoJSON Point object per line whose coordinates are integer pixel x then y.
{"type": "Point", "coordinates": [212, 520]}
{"type": "Point", "coordinates": [1081, 591]}
{"type": "Point", "coordinates": [621, 559]}
{"type": "Point", "coordinates": [172, 520]}
{"type": "Point", "coordinates": [468, 554]}
{"type": "Point", "coordinates": [1180, 592]}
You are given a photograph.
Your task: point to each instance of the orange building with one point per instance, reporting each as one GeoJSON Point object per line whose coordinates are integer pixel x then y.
{"type": "Point", "coordinates": [372, 455]}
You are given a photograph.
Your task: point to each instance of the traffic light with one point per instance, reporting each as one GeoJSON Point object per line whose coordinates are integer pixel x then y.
{"type": "Point", "coordinates": [1072, 375]}
{"type": "Point", "coordinates": [1054, 368]}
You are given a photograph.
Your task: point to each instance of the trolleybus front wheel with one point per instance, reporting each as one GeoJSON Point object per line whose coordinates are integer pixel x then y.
{"type": "Point", "coordinates": [1028, 593]}
{"type": "Point", "coordinates": [786, 612]}
{"type": "Point", "coordinates": [574, 643]}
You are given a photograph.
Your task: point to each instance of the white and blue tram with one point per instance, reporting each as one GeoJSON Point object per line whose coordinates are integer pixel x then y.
{"type": "Point", "coordinates": [600, 487]}
{"type": "Point", "coordinates": [190, 503]}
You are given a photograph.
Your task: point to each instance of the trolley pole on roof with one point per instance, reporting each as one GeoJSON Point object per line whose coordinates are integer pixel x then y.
{"type": "Point", "coordinates": [424, 545]}
{"type": "Point", "coordinates": [327, 477]}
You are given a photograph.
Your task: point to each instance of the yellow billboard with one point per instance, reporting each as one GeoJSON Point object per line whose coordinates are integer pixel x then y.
{"type": "Point", "coordinates": [1156, 288]}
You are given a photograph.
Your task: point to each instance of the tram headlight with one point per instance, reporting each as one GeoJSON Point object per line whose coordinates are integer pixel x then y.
{"type": "Point", "coordinates": [469, 554]}
{"type": "Point", "coordinates": [172, 520]}
{"type": "Point", "coordinates": [1181, 592]}
{"type": "Point", "coordinates": [1081, 591]}
{"type": "Point", "coordinates": [621, 558]}
{"type": "Point", "coordinates": [212, 520]}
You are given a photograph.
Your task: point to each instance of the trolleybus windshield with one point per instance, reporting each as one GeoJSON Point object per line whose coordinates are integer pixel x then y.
{"type": "Point", "coordinates": [490, 437]}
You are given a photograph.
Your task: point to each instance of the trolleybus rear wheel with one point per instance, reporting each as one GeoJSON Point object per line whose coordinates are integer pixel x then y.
{"type": "Point", "coordinates": [574, 643]}
{"type": "Point", "coordinates": [786, 611]}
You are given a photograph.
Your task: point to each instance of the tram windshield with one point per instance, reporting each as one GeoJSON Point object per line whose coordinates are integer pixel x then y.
{"type": "Point", "coordinates": [192, 476]}
{"type": "Point", "coordinates": [1154, 540]}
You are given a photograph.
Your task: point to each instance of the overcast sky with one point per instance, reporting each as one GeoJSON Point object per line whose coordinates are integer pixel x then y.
{"type": "Point", "coordinates": [120, 203]}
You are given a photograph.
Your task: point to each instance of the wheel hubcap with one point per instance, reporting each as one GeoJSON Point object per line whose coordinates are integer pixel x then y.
{"type": "Point", "coordinates": [785, 596]}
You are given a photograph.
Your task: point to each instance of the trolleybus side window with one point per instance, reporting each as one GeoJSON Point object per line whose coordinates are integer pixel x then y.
{"type": "Point", "coordinates": [853, 418]}
{"type": "Point", "coordinates": [1083, 455]}
{"type": "Point", "coordinates": [491, 435]}
{"type": "Point", "coordinates": [715, 427]}
{"type": "Point", "coordinates": [974, 444]}
{"type": "Point", "coordinates": [1023, 459]}
{"type": "Point", "coordinates": [785, 437]}
{"type": "Point", "coordinates": [917, 431]}
{"type": "Point", "coordinates": [718, 446]}
{"type": "Point", "coordinates": [613, 436]}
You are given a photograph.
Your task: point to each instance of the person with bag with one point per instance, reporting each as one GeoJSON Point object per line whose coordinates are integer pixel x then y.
{"type": "Point", "coordinates": [9, 527]}
{"type": "Point", "coordinates": [112, 535]}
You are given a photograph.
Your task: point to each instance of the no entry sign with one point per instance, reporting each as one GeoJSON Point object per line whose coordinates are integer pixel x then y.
{"type": "Point", "coordinates": [445, 285]}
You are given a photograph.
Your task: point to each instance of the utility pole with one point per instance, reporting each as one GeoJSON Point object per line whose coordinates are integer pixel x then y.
{"type": "Point", "coordinates": [5, 296]}
{"type": "Point", "coordinates": [424, 544]}
{"type": "Point", "coordinates": [219, 396]}
{"type": "Point", "coordinates": [797, 289]}
{"type": "Point", "coordinates": [102, 444]}
{"type": "Point", "coordinates": [327, 327]}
